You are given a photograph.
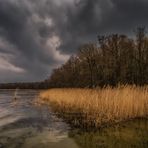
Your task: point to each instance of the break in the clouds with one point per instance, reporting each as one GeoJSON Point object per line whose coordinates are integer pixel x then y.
{"type": "Point", "coordinates": [38, 35]}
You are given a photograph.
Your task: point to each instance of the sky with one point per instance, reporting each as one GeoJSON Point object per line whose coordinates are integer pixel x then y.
{"type": "Point", "coordinates": [39, 35]}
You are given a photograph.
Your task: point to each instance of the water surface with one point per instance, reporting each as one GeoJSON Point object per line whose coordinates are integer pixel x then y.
{"type": "Point", "coordinates": [24, 124]}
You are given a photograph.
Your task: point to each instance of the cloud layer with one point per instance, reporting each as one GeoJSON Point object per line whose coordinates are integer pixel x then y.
{"type": "Point", "coordinates": [38, 35]}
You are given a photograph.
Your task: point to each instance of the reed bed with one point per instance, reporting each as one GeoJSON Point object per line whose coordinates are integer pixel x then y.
{"type": "Point", "coordinates": [98, 107]}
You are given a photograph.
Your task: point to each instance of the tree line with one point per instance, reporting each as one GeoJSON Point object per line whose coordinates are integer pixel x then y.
{"type": "Point", "coordinates": [25, 85]}
{"type": "Point", "coordinates": [115, 59]}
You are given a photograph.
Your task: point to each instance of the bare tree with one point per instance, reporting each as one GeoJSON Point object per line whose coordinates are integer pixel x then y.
{"type": "Point", "coordinates": [140, 40]}
{"type": "Point", "coordinates": [87, 53]}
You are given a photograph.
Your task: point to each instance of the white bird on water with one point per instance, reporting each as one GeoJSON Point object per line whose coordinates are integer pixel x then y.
{"type": "Point", "coordinates": [15, 98]}
{"type": "Point", "coordinates": [15, 94]}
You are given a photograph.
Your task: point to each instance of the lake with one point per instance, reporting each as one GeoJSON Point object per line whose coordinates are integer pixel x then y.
{"type": "Point", "coordinates": [24, 124]}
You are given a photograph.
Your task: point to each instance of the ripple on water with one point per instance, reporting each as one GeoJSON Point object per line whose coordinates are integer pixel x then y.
{"type": "Point", "coordinates": [24, 125]}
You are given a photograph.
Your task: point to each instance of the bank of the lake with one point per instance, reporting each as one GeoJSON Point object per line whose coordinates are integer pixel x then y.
{"type": "Point", "coordinates": [97, 108]}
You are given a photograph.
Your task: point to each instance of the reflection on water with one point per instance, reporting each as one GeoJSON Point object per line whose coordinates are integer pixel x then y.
{"type": "Point", "coordinates": [26, 125]}
{"type": "Point", "coordinates": [127, 135]}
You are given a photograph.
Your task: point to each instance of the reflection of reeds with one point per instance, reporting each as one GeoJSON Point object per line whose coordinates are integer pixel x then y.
{"type": "Point", "coordinates": [97, 107]}
{"type": "Point", "coordinates": [124, 136]}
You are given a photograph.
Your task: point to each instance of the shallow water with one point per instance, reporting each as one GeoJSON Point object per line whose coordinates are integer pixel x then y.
{"type": "Point", "coordinates": [23, 124]}
{"type": "Point", "coordinates": [133, 134]}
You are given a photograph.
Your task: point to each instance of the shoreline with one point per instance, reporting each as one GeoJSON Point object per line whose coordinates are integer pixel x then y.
{"type": "Point", "coordinates": [98, 108]}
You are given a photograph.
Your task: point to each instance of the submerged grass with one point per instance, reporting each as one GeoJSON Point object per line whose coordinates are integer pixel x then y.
{"type": "Point", "coordinates": [98, 107]}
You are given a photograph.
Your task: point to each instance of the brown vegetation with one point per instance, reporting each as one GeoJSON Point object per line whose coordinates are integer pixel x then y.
{"type": "Point", "coordinates": [98, 107]}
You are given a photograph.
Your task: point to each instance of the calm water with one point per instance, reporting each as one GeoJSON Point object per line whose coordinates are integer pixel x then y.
{"type": "Point", "coordinates": [26, 125]}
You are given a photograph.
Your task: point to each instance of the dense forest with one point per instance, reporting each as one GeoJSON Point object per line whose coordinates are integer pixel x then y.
{"type": "Point", "coordinates": [115, 59]}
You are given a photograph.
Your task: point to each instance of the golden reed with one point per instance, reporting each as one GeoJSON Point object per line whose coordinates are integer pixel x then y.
{"type": "Point", "coordinates": [98, 107]}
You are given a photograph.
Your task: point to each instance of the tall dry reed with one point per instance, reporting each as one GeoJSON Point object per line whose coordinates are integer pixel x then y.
{"type": "Point", "coordinates": [97, 107]}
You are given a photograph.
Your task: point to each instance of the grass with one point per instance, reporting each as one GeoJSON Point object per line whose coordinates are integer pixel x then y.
{"type": "Point", "coordinates": [98, 107]}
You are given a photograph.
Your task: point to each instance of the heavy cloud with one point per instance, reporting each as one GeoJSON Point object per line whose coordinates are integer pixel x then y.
{"type": "Point", "coordinates": [38, 35]}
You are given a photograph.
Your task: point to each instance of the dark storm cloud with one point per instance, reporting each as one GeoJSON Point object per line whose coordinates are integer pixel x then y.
{"type": "Point", "coordinates": [93, 17]}
{"type": "Point", "coordinates": [36, 35]}
{"type": "Point", "coordinates": [18, 29]}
